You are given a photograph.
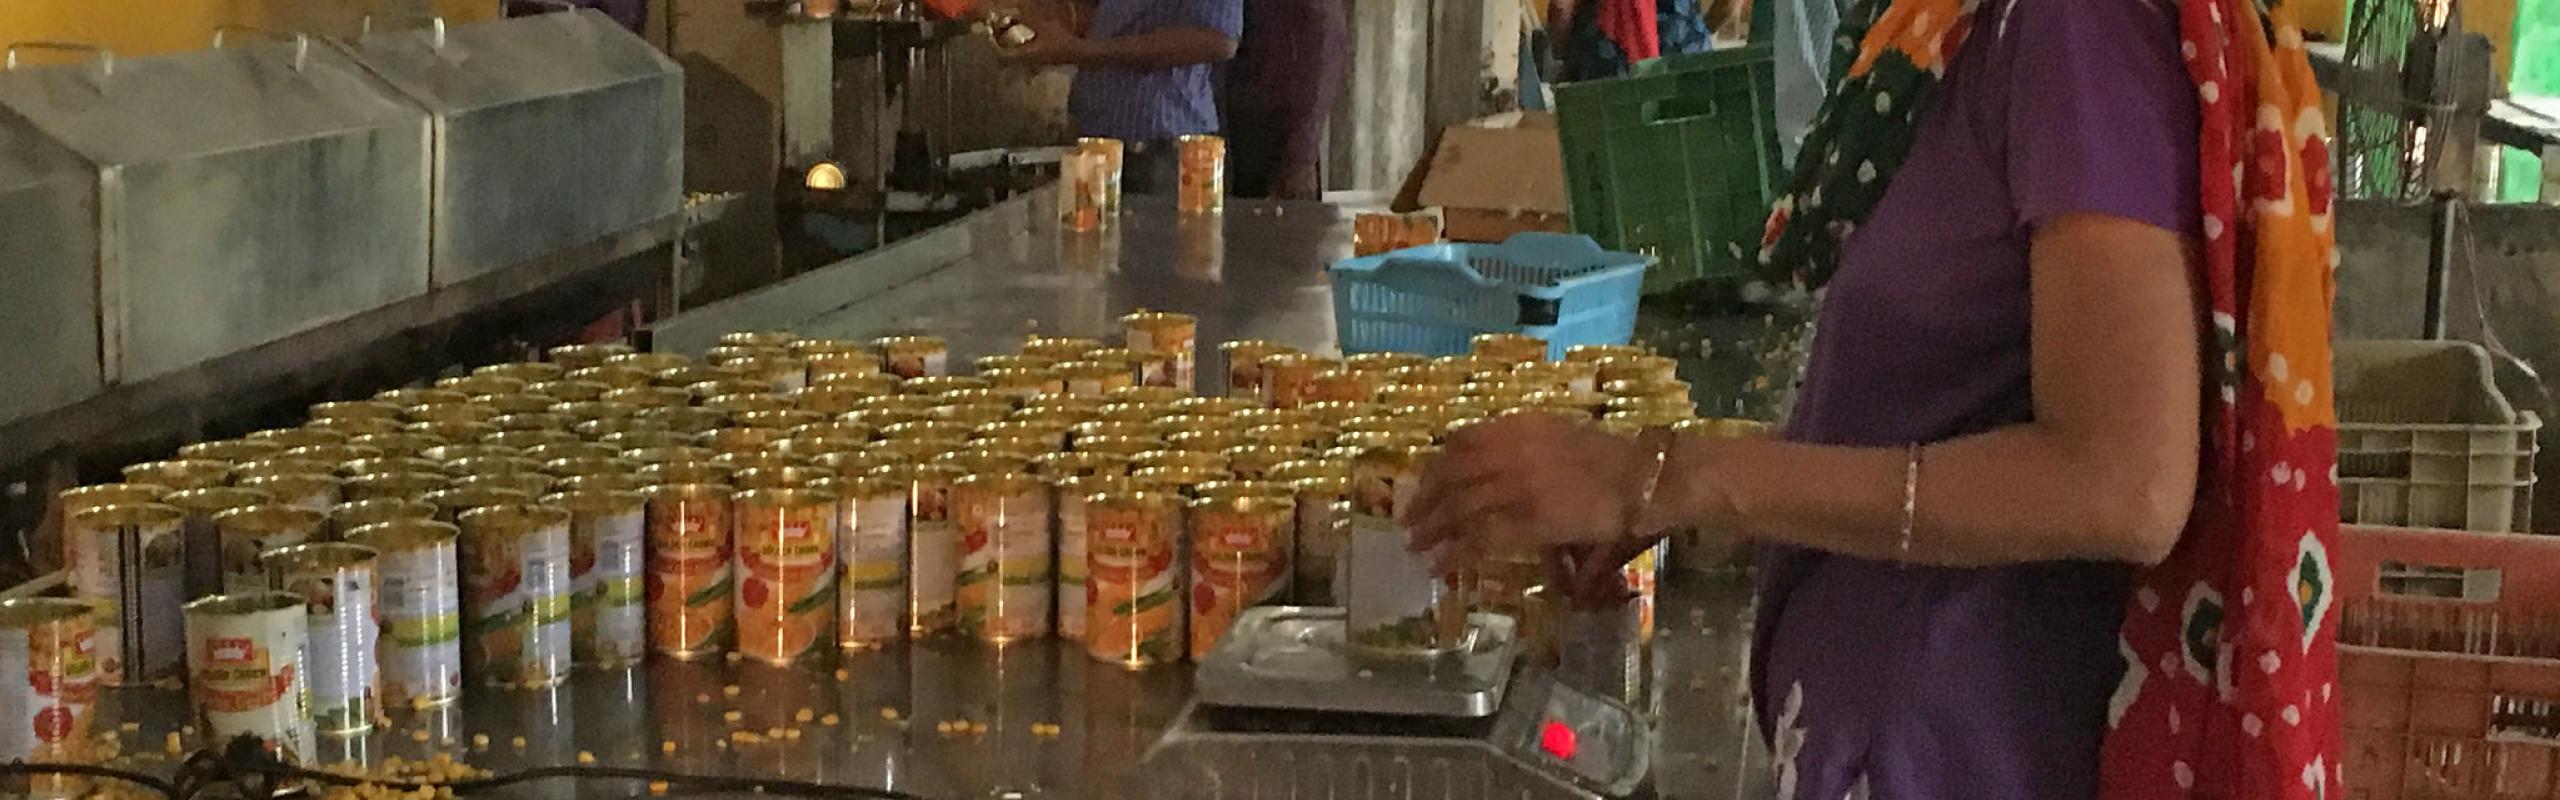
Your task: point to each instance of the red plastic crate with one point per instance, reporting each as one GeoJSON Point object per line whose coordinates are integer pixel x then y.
{"type": "Point", "coordinates": [2449, 658]}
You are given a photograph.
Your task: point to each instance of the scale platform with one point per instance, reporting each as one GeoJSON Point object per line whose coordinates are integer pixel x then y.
{"type": "Point", "coordinates": [1283, 710]}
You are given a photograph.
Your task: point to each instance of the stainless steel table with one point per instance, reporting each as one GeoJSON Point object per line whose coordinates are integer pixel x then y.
{"type": "Point", "coordinates": [1254, 272]}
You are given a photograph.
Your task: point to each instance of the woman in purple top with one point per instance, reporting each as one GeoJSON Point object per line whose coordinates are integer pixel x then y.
{"type": "Point", "coordinates": [1999, 420]}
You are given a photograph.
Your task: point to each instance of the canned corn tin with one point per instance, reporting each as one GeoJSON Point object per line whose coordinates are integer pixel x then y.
{"type": "Point", "coordinates": [1288, 379]}
{"type": "Point", "coordinates": [1133, 595]}
{"type": "Point", "coordinates": [317, 492]}
{"type": "Point", "coordinates": [515, 594]}
{"type": "Point", "coordinates": [1203, 175]}
{"type": "Point", "coordinates": [1095, 378]}
{"type": "Point", "coordinates": [1004, 583]}
{"type": "Point", "coordinates": [1322, 518]}
{"type": "Point", "coordinates": [1244, 365]}
{"type": "Point", "coordinates": [1512, 347]}
{"type": "Point", "coordinates": [689, 584]}
{"type": "Point", "coordinates": [248, 676]}
{"type": "Point", "coordinates": [1173, 335]}
{"type": "Point", "coordinates": [201, 539]}
{"type": "Point", "coordinates": [1068, 496]}
{"type": "Point", "coordinates": [49, 659]}
{"type": "Point", "coordinates": [608, 537]}
{"type": "Point", "coordinates": [345, 518]}
{"type": "Point", "coordinates": [1239, 559]}
{"type": "Point", "coordinates": [786, 599]}
{"type": "Point", "coordinates": [934, 549]}
{"type": "Point", "coordinates": [1394, 604]}
{"type": "Point", "coordinates": [248, 532]}
{"type": "Point", "coordinates": [336, 582]}
{"type": "Point", "coordinates": [912, 357]}
{"type": "Point", "coordinates": [872, 542]}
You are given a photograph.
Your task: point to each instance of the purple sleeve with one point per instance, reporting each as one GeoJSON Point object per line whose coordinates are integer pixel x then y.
{"type": "Point", "coordinates": [2102, 115]}
{"type": "Point", "coordinates": [1223, 16]}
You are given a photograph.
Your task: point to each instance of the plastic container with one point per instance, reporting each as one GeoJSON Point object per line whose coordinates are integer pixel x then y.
{"type": "Point", "coordinates": [1678, 160]}
{"type": "Point", "coordinates": [2426, 440]}
{"type": "Point", "coordinates": [2449, 663]}
{"type": "Point", "coordinates": [1433, 300]}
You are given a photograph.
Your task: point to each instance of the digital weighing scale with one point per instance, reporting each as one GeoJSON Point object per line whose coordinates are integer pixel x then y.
{"type": "Point", "coordinates": [1283, 710]}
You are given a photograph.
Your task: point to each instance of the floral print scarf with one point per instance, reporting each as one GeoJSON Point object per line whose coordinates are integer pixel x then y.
{"type": "Point", "coordinates": [2230, 645]}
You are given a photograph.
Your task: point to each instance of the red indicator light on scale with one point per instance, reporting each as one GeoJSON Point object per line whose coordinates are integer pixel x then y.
{"type": "Point", "coordinates": [1558, 740]}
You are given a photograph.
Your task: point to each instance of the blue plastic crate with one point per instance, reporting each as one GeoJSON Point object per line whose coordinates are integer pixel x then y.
{"type": "Point", "coordinates": [1432, 299]}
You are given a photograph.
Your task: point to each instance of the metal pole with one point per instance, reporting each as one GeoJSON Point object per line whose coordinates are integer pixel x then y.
{"type": "Point", "coordinates": [2440, 260]}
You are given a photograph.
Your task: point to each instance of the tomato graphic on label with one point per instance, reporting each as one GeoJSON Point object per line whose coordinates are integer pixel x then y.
{"type": "Point", "coordinates": [655, 588]}
{"type": "Point", "coordinates": [53, 724]}
{"type": "Point", "coordinates": [975, 539]}
{"type": "Point", "coordinates": [43, 681]}
{"type": "Point", "coordinates": [1159, 562]}
{"type": "Point", "coordinates": [1204, 597]}
{"type": "Point", "coordinates": [754, 592]}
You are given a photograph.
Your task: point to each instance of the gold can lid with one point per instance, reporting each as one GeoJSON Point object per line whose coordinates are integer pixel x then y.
{"type": "Point", "coordinates": [1180, 459]}
{"type": "Point", "coordinates": [999, 481]}
{"type": "Point", "coordinates": [940, 384]}
{"type": "Point", "coordinates": [1517, 347]}
{"type": "Point", "coordinates": [687, 420]}
{"type": "Point", "coordinates": [451, 431]}
{"type": "Point", "coordinates": [534, 484]}
{"type": "Point", "coordinates": [649, 396]}
{"type": "Point", "coordinates": [614, 375]}
{"type": "Point", "coordinates": [1147, 395]}
{"type": "Point", "coordinates": [1204, 441]}
{"type": "Point", "coordinates": [289, 485]}
{"type": "Point", "coordinates": [332, 453]}
{"type": "Point", "coordinates": [981, 462]}
{"type": "Point", "coordinates": [1382, 362]}
{"type": "Point", "coordinates": [1157, 320]}
{"type": "Point", "coordinates": [356, 426]}
{"type": "Point", "coordinates": [526, 402]}
{"type": "Point", "coordinates": [569, 450]}
{"type": "Point", "coordinates": [1125, 446]}
{"type": "Point", "coordinates": [628, 441]}
{"type": "Point", "coordinates": [591, 408]}
{"type": "Point", "coordinates": [909, 343]}
{"type": "Point", "coordinates": [483, 385]}
{"type": "Point", "coordinates": [651, 362]}
{"type": "Point", "coordinates": [357, 514]}
{"type": "Point", "coordinates": [216, 499]}
{"type": "Point", "coordinates": [617, 481]}
{"type": "Point", "coordinates": [317, 556]}
{"type": "Point", "coordinates": [397, 484]}
{"type": "Point", "coordinates": [930, 429]}
{"type": "Point", "coordinates": [807, 347]}
{"type": "Point", "coordinates": [231, 450]}
{"type": "Point", "coordinates": [27, 612]}
{"type": "Point", "coordinates": [527, 440]}
{"type": "Point", "coordinates": [355, 409]}
{"type": "Point", "coordinates": [419, 397]}
{"type": "Point", "coordinates": [864, 385]}
{"type": "Point", "coordinates": [581, 356]}
{"type": "Point", "coordinates": [1255, 349]}
{"type": "Point", "coordinates": [397, 443]}
{"type": "Point", "coordinates": [523, 516]}
{"type": "Point", "coordinates": [242, 604]}
{"type": "Point", "coordinates": [597, 430]}
{"type": "Point", "coordinates": [528, 371]}
{"type": "Point", "coordinates": [1622, 368]}
{"type": "Point", "coordinates": [829, 399]}
{"type": "Point", "coordinates": [1588, 353]}
{"type": "Point", "coordinates": [1141, 498]}
{"type": "Point", "coordinates": [664, 455]}
{"type": "Point", "coordinates": [404, 533]}
{"type": "Point", "coordinates": [690, 375]}
{"type": "Point", "coordinates": [778, 477]}
{"type": "Point", "coordinates": [1285, 435]}
{"type": "Point", "coordinates": [765, 338]}
{"type": "Point", "coordinates": [477, 465]}
{"type": "Point", "coordinates": [1243, 488]}
{"type": "Point", "coordinates": [993, 363]}
{"type": "Point", "coordinates": [121, 514]}
{"type": "Point", "coordinates": [595, 500]}
{"type": "Point", "coordinates": [534, 420]}
{"type": "Point", "coordinates": [269, 519]}
{"type": "Point", "coordinates": [180, 474]}
{"type": "Point", "coordinates": [108, 494]}
{"type": "Point", "coordinates": [1211, 407]}
{"type": "Point", "coordinates": [1062, 466]}
{"type": "Point", "coordinates": [580, 465]}
{"type": "Point", "coordinates": [734, 405]}
{"type": "Point", "coordinates": [688, 493]}
{"type": "Point", "coordinates": [463, 498]}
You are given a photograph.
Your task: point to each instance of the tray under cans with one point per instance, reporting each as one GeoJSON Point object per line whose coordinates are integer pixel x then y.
{"type": "Point", "coordinates": [1293, 657]}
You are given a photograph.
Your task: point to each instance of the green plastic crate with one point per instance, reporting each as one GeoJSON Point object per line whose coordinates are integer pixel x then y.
{"type": "Point", "coordinates": [1678, 160]}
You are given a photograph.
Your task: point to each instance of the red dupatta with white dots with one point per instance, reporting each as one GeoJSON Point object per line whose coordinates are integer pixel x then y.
{"type": "Point", "coordinates": [2230, 686]}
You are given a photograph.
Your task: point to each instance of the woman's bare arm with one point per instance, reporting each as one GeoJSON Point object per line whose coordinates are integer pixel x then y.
{"type": "Point", "coordinates": [2106, 470]}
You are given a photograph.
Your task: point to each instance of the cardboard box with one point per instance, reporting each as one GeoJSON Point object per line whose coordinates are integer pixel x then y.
{"type": "Point", "coordinates": [1491, 178]}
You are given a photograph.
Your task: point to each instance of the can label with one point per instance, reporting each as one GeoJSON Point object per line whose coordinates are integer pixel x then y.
{"type": "Point", "coordinates": [516, 606]}
{"type": "Point", "coordinates": [874, 594]}
{"type": "Point", "coordinates": [1390, 594]}
{"type": "Point", "coordinates": [786, 585]}
{"type": "Point", "coordinates": [1133, 596]}
{"type": "Point", "coordinates": [1644, 579]}
{"type": "Point", "coordinates": [1203, 178]}
{"type": "Point", "coordinates": [98, 575]}
{"type": "Point", "coordinates": [48, 693]}
{"type": "Point", "coordinates": [935, 543]}
{"type": "Point", "coordinates": [1097, 384]}
{"type": "Point", "coordinates": [1175, 341]}
{"type": "Point", "coordinates": [1071, 565]}
{"type": "Point", "coordinates": [1235, 564]}
{"type": "Point", "coordinates": [1004, 580]}
{"type": "Point", "coordinates": [689, 580]}
{"type": "Point", "coordinates": [607, 620]}
{"type": "Point", "coordinates": [338, 608]}
{"type": "Point", "coordinates": [249, 678]}
{"type": "Point", "coordinates": [916, 362]}
{"type": "Point", "coordinates": [1321, 523]}
{"type": "Point", "coordinates": [421, 606]}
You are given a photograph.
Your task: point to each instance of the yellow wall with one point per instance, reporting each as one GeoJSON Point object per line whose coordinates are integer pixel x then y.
{"type": "Point", "coordinates": [141, 27]}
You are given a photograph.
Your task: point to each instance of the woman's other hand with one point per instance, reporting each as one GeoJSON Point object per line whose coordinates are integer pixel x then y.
{"type": "Point", "coordinates": [1527, 483]}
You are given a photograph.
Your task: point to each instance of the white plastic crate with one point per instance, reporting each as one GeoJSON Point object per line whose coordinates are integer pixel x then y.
{"type": "Point", "coordinates": [2426, 440]}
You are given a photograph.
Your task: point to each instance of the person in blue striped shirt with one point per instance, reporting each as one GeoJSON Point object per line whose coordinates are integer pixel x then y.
{"type": "Point", "coordinates": [1143, 73]}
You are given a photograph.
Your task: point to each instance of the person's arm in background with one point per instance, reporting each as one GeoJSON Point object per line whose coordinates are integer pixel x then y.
{"type": "Point", "coordinates": [1202, 32]}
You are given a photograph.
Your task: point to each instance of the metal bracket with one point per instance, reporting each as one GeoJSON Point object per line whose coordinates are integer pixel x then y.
{"type": "Point", "coordinates": [106, 58]}
{"type": "Point", "coordinates": [435, 30]}
{"type": "Point", "coordinates": [301, 42]}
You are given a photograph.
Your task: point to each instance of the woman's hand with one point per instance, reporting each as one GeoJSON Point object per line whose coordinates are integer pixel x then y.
{"type": "Point", "coordinates": [1527, 483]}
